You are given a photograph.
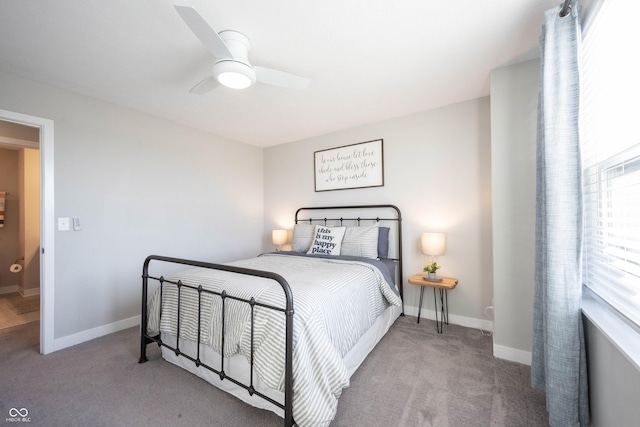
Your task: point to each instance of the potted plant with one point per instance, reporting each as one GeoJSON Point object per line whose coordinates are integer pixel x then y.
{"type": "Point", "coordinates": [431, 268]}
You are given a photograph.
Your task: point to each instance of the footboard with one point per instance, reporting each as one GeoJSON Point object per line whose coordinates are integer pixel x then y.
{"type": "Point", "coordinates": [146, 339]}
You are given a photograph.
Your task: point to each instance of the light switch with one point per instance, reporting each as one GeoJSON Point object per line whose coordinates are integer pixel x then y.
{"type": "Point", "coordinates": [63, 224]}
{"type": "Point", "coordinates": [76, 224]}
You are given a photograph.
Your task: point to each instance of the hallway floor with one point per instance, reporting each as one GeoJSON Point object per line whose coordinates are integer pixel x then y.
{"type": "Point", "coordinates": [17, 310]}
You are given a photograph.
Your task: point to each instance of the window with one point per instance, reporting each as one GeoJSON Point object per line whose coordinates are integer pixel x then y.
{"type": "Point", "coordinates": [612, 231]}
{"type": "Point", "coordinates": [610, 138]}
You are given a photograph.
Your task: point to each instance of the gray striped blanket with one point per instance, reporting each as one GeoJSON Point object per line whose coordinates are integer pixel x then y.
{"type": "Point", "coordinates": [335, 302]}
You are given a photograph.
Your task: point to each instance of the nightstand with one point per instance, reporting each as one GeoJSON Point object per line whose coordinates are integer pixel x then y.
{"type": "Point", "coordinates": [441, 287]}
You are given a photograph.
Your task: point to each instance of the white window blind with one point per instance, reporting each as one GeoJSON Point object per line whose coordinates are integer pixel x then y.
{"type": "Point", "coordinates": [610, 139]}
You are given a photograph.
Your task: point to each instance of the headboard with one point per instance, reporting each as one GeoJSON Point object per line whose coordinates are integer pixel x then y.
{"type": "Point", "coordinates": [385, 215]}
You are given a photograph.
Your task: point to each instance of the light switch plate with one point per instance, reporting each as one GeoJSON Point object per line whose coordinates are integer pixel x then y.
{"type": "Point", "coordinates": [76, 224]}
{"type": "Point", "coordinates": [63, 224]}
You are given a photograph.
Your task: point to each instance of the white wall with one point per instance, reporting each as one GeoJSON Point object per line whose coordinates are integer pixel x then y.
{"type": "Point", "coordinates": [437, 169]}
{"type": "Point", "coordinates": [10, 233]}
{"type": "Point", "coordinates": [514, 103]}
{"type": "Point", "coordinates": [141, 185]}
{"type": "Point", "coordinates": [29, 182]}
{"type": "Point", "coordinates": [614, 382]}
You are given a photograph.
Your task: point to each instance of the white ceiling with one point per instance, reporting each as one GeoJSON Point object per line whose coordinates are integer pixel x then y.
{"type": "Point", "coordinates": [368, 60]}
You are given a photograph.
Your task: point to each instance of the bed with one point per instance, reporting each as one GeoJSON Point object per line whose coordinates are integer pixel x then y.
{"type": "Point", "coordinates": [284, 331]}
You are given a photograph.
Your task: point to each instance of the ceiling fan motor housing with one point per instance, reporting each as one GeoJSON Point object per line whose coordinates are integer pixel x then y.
{"type": "Point", "coordinates": [235, 72]}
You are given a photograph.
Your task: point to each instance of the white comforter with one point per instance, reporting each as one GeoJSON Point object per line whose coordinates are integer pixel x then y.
{"type": "Point", "coordinates": [334, 302]}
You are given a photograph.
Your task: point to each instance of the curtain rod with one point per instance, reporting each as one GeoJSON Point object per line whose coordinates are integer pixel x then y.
{"type": "Point", "coordinates": [565, 8]}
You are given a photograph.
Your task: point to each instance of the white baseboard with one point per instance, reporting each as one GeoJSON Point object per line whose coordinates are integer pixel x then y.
{"type": "Point", "coordinates": [89, 334]}
{"type": "Point", "coordinates": [23, 292]}
{"type": "Point", "coordinates": [468, 322]}
{"type": "Point", "coordinates": [512, 354]}
{"type": "Point", "coordinates": [501, 352]}
{"type": "Point", "coordinates": [8, 289]}
{"type": "Point", "coordinates": [29, 292]}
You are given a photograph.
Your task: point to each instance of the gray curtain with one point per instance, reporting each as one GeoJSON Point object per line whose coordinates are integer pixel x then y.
{"type": "Point", "coordinates": [558, 360]}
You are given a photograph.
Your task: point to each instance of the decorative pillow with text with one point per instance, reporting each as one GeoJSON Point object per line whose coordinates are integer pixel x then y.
{"type": "Point", "coordinates": [327, 240]}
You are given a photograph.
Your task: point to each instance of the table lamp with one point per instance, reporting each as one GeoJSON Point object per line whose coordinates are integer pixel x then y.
{"type": "Point", "coordinates": [279, 238]}
{"type": "Point", "coordinates": [432, 244]}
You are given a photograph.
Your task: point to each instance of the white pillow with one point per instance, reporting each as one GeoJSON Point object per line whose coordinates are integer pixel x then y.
{"type": "Point", "coordinates": [361, 241]}
{"type": "Point", "coordinates": [327, 240]}
{"type": "Point", "coordinates": [302, 237]}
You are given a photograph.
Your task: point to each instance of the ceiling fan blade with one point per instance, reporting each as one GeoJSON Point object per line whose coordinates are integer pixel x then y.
{"type": "Point", "coordinates": [280, 78]}
{"type": "Point", "coordinates": [204, 86]}
{"type": "Point", "coordinates": [207, 35]}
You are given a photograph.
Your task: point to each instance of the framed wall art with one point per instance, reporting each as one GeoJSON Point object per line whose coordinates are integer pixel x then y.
{"type": "Point", "coordinates": [351, 166]}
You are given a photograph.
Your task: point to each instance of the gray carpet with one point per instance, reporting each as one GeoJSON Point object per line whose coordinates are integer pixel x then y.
{"type": "Point", "coordinates": [414, 377]}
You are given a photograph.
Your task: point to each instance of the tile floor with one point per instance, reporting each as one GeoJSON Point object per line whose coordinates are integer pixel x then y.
{"type": "Point", "coordinates": [8, 315]}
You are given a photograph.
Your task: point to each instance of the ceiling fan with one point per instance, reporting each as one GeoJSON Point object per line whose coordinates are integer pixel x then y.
{"type": "Point", "coordinates": [232, 67]}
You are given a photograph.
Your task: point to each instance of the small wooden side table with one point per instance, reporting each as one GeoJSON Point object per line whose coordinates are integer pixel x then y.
{"type": "Point", "coordinates": [441, 286]}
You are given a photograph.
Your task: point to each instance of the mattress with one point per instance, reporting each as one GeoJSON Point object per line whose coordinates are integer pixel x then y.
{"type": "Point", "coordinates": [238, 367]}
{"type": "Point", "coordinates": [342, 309]}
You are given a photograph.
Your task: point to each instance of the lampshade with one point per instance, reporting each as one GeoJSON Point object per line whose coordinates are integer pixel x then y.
{"type": "Point", "coordinates": [279, 237]}
{"type": "Point", "coordinates": [432, 244]}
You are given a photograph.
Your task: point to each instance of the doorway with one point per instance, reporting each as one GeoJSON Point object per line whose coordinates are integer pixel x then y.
{"type": "Point", "coordinates": [45, 126]}
{"type": "Point", "coordinates": [20, 228]}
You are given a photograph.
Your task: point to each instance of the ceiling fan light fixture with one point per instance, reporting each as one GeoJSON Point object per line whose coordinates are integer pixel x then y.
{"type": "Point", "coordinates": [234, 74]}
{"type": "Point", "coordinates": [234, 80]}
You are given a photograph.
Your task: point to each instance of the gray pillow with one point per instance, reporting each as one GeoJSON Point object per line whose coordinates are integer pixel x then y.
{"type": "Point", "coordinates": [383, 242]}
{"type": "Point", "coordinates": [302, 237]}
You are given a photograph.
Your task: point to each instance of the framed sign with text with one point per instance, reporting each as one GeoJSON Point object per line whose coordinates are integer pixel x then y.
{"type": "Point", "coordinates": [352, 166]}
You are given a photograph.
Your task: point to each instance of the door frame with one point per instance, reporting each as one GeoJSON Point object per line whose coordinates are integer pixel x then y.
{"type": "Point", "coordinates": [47, 224]}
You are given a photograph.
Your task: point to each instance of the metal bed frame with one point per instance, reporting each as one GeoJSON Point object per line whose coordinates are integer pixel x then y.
{"type": "Point", "coordinates": [288, 311]}
{"type": "Point", "coordinates": [397, 219]}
